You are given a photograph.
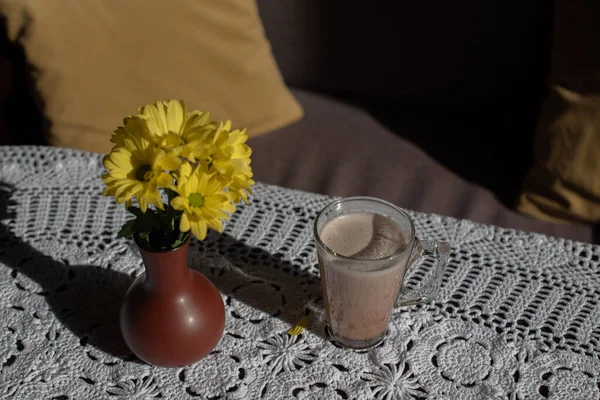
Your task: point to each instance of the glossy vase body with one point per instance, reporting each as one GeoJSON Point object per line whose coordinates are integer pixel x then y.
{"type": "Point", "coordinates": [171, 316]}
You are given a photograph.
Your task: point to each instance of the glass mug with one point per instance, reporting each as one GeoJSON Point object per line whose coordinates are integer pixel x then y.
{"type": "Point", "coordinates": [363, 257]}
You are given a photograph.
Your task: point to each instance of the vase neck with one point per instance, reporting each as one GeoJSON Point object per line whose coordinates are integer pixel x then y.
{"type": "Point", "coordinates": [166, 271]}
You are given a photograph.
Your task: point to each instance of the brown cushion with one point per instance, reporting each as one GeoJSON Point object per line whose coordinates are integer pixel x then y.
{"type": "Point", "coordinates": [341, 150]}
{"type": "Point", "coordinates": [564, 184]}
{"type": "Point", "coordinates": [98, 61]}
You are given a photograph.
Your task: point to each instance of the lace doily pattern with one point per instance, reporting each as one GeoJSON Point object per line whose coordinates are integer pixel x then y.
{"type": "Point", "coordinates": [517, 317]}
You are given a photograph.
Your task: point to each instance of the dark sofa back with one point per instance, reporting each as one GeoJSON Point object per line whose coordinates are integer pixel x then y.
{"type": "Point", "coordinates": [471, 51]}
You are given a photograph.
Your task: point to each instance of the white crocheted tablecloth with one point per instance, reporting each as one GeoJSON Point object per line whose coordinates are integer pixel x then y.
{"type": "Point", "coordinates": [518, 316]}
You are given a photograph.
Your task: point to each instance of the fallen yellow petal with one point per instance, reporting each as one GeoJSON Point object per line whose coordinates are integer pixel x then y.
{"type": "Point", "coordinates": [298, 328]}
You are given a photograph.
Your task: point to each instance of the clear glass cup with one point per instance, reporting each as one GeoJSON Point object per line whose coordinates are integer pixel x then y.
{"type": "Point", "coordinates": [360, 291]}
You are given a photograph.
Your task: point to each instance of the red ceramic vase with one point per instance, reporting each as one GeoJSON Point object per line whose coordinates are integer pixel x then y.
{"type": "Point", "coordinates": [171, 316]}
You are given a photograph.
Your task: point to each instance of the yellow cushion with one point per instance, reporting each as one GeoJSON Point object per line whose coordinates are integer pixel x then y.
{"type": "Point", "coordinates": [99, 60]}
{"type": "Point", "coordinates": [564, 183]}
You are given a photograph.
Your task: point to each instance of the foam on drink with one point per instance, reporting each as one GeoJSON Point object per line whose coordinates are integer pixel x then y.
{"type": "Point", "coordinates": [362, 235]}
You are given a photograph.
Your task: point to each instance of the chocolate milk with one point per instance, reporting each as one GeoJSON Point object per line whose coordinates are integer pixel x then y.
{"type": "Point", "coordinates": [360, 288]}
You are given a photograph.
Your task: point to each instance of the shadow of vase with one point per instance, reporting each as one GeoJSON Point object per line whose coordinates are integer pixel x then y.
{"type": "Point", "coordinates": [85, 299]}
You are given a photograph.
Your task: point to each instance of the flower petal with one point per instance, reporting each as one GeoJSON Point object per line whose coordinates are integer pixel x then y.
{"type": "Point", "coordinates": [199, 229]}
{"type": "Point", "coordinates": [179, 203]}
{"type": "Point", "coordinates": [193, 184]}
{"type": "Point", "coordinates": [215, 224]}
{"type": "Point", "coordinates": [184, 223]}
{"type": "Point", "coordinates": [143, 202]}
{"type": "Point", "coordinates": [171, 162]}
{"type": "Point", "coordinates": [185, 169]}
{"type": "Point", "coordinates": [164, 180]}
{"type": "Point", "coordinates": [175, 115]}
{"type": "Point", "coordinates": [156, 199]}
{"type": "Point", "coordinates": [155, 120]}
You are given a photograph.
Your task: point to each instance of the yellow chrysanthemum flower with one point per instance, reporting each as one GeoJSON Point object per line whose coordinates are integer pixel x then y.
{"type": "Point", "coordinates": [138, 168]}
{"type": "Point", "coordinates": [231, 161]}
{"type": "Point", "coordinates": [203, 201]}
{"type": "Point", "coordinates": [169, 125]}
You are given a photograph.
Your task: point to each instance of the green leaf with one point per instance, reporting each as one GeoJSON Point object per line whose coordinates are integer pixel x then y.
{"type": "Point", "coordinates": [144, 240]}
{"type": "Point", "coordinates": [157, 220]}
{"type": "Point", "coordinates": [146, 221]}
{"type": "Point", "coordinates": [135, 211]}
{"type": "Point", "coordinates": [127, 229]}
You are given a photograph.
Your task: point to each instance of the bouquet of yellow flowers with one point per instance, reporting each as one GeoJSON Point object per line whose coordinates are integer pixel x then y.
{"type": "Point", "coordinates": [191, 170]}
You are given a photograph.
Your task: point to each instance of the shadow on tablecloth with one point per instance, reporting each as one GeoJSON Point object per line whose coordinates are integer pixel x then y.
{"type": "Point", "coordinates": [259, 285]}
{"type": "Point", "coordinates": [85, 298]}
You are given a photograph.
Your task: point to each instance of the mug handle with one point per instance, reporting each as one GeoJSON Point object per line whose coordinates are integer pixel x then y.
{"type": "Point", "coordinates": [440, 251]}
